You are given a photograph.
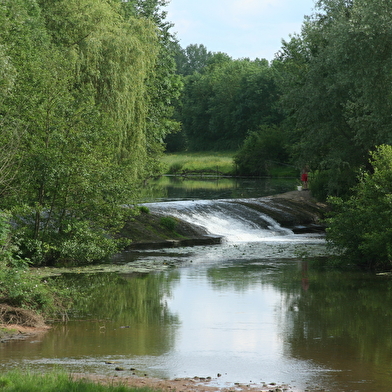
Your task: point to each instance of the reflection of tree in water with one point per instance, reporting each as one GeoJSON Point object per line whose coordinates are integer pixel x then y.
{"type": "Point", "coordinates": [338, 319]}
{"type": "Point", "coordinates": [135, 302]}
{"type": "Point", "coordinates": [133, 298]}
{"type": "Point", "coordinates": [242, 275]}
{"type": "Point", "coordinates": [342, 320]}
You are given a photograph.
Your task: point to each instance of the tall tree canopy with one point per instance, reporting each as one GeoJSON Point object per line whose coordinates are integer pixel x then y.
{"type": "Point", "coordinates": [336, 76]}
{"type": "Point", "coordinates": [226, 101]}
{"type": "Point", "coordinates": [81, 82]}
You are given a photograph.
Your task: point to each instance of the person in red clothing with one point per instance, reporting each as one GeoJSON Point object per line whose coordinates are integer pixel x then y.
{"type": "Point", "coordinates": [304, 179]}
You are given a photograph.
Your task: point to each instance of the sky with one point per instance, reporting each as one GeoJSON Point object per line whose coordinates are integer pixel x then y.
{"type": "Point", "coordinates": [240, 28]}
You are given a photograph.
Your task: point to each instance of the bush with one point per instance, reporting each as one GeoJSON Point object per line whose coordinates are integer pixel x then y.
{"type": "Point", "coordinates": [361, 227]}
{"type": "Point", "coordinates": [78, 243]}
{"type": "Point", "coordinates": [168, 222]}
{"type": "Point", "coordinates": [144, 209]}
{"type": "Point", "coordinates": [260, 150]}
{"type": "Point", "coordinates": [18, 287]}
{"type": "Point", "coordinates": [175, 168]}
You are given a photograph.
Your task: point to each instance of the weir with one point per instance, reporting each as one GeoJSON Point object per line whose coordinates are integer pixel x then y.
{"type": "Point", "coordinates": [229, 219]}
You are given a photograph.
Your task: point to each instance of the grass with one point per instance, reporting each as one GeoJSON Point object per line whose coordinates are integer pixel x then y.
{"type": "Point", "coordinates": [215, 164]}
{"type": "Point", "coordinates": [220, 163]}
{"type": "Point", "coordinates": [16, 381]}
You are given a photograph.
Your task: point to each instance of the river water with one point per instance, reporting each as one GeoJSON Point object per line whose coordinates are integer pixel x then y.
{"type": "Point", "coordinates": [262, 309]}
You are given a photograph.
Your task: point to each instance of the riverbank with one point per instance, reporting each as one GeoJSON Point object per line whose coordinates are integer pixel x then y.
{"type": "Point", "coordinates": [196, 384]}
{"type": "Point", "coordinates": [20, 324]}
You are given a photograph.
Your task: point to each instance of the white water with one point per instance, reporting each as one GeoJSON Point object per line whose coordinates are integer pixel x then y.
{"type": "Point", "coordinates": [227, 218]}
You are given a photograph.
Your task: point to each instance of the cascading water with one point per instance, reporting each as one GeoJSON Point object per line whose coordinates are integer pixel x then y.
{"type": "Point", "coordinates": [227, 218]}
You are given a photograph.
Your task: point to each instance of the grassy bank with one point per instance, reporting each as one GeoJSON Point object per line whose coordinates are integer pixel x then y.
{"type": "Point", "coordinates": [215, 163]}
{"type": "Point", "coordinates": [57, 382]}
{"type": "Point", "coordinates": [220, 163]}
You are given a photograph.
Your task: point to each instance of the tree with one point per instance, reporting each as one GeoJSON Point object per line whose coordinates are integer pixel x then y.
{"type": "Point", "coordinates": [335, 76]}
{"type": "Point", "coordinates": [225, 102]}
{"type": "Point", "coordinates": [261, 150]}
{"type": "Point", "coordinates": [361, 227]}
{"type": "Point", "coordinates": [80, 96]}
{"type": "Point", "coordinates": [164, 85]}
{"type": "Point", "coordinates": [194, 58]}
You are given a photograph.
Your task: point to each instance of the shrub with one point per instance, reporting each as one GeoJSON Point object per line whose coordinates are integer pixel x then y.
{"type": "Point", "coordinates": [77, 243]}
{"type": "Point", "coordinates": [144, 209]}
{"type": "Point", "coordinates": [361, 227]}
{"type": "Point", "coordinates": [261, 149]}
{"type": "Point", "coordinates": [175, 168]}
{"type": "Point", "coordinates": [168, 222]}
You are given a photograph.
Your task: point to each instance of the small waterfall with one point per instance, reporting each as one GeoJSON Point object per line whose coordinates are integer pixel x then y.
{"type": "Point", "coordinates": [226, 218]}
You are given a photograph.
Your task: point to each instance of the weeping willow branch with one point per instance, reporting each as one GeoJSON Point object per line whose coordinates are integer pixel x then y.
{"type": "Point", "coordinates": [8, 165]}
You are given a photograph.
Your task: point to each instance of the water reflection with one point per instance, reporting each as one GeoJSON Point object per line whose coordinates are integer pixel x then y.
{"type": "Point", "coordinates": [180, 188]}
{"type": "Point", "coordinates": [250, 318]}
{"type": "Point", "coordinates": [344, 322]}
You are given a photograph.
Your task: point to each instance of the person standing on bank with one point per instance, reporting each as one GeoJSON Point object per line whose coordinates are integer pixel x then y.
{"type": "Point", "coordinates": [304, 179]}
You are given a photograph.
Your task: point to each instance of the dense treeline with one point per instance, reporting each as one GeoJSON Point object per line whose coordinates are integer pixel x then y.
{"type": "Point", "coordinates": [336, 79]}
{"type": "Point", "coordinates": [223, 100]}
{"type": "Point", "coordinates": [336, 93]}
{"type": "Point", "coordinates": [325, 96]}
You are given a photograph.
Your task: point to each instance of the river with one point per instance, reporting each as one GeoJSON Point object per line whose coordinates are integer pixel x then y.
{"type": "Point", "coordinates": [253, 310]}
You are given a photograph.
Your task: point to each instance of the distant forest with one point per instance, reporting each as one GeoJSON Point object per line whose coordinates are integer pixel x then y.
{"type": "Point", "coordinates": [323, 103]}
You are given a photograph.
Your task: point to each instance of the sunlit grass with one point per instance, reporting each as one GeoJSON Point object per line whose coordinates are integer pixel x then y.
{"type": "Point", "coordinates": [189, 184]}
{"type": "Point", "coordinates": [200, 162]}
{"type": "Point", "coordinates": [16, 381]}
{"type": "Point", "coordinates": [214, 163]}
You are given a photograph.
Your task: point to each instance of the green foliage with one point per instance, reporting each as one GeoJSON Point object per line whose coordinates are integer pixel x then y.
{"type": "Point", "coordinates": [84, 107]}
{"type": "Point", "coordinates": [175, 168]}
{"type": "Point", "coordinates": [334, 77]}
{"type": "Point", "coordinates": [361, 227]}
{"type": "Point", "coordinates": [261, 150]}
{"type": "Point", "coordinates": [144, 209]}
{"type": "Point", "coordinates": [194, 58]}
{"type": "Point", "coordinates": [168, 222]}
{"type": "Point", "coordinates": [319, 184]}
{"type": "Point", "coordinates": [7, 248]}
{"type": "Point", "coordinates": [229, 99]}
{"type": "Point", "coordinates": [163, 84]}
{"type": "Point", "coordinates": [17, 286]}
{"type": "Point", "coordinates": [17, 381]}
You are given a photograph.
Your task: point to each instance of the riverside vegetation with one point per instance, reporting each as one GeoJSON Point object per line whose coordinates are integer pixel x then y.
{"type": "Point", "coordinates": [57, 381]}
{"type": "Point", "coordinates": [93, 91]}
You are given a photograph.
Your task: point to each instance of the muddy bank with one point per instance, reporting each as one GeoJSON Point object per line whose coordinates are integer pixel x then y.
{"type": "Point", "coordinates": [19, 324]}
{"type": "Point", "coordinates": [296, 210]}
{"type": "Point", "coordinates": [195, 384]}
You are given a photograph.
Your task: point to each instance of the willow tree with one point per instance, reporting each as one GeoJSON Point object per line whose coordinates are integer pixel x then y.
{"type": "Point", "coordinates": [113, 57]}
{"type": "Point", "coordinates": [81, 97]}
{"type": "Point", "coordinates": [164, 85]}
